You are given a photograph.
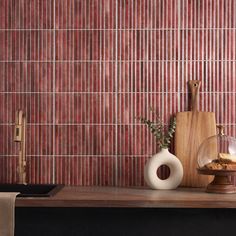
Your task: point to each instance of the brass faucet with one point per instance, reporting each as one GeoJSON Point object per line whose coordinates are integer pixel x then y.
{"type": "Point", "coordinates": [20, 136]}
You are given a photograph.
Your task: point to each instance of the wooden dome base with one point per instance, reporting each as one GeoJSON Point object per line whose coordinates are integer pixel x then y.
{"type": "Point", "coordinates": [222, 182]}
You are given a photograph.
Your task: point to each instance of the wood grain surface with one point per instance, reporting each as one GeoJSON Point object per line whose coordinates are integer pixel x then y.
{"type": "Point", "coordinates": [192, 128]}
{"type": "Point", "coordinates": [131, 198]}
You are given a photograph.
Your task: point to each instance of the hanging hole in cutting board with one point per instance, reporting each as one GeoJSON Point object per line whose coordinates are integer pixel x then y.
{"type": "Point", "coordinates": [163, 172]}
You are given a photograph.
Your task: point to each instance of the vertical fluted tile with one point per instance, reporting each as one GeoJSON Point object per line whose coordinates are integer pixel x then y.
{"type": "Point", "coordinates": [85, 170]}
{"type": "Point", "coordinates": [39, 169]}
{"type": "Point", "coordinates": [86, 139]}
{"type": "Point", "coordinates": [103, 63]}
{"type": "Point", "coordinates": [8, 166]}
{"type": "Point", "coordinates": [130, 171]}
{"type": "Point", "coordinates": [90, 14]}
{"type": "Point", "coordinates": [24, 14]}
{"type": "Point", "coordinates": [39, 140]}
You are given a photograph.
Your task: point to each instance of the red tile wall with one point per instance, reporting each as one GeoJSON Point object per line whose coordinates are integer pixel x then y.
{"type": "Point", "coordinates": [83, 70]}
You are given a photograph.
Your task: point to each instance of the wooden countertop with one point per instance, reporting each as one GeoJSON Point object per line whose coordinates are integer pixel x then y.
{"type": "Point", "coordinates": [131, 197]}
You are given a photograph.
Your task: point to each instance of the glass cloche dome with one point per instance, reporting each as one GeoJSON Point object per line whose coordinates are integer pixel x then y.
{"type": "Point", "coordinates": [218, 152]}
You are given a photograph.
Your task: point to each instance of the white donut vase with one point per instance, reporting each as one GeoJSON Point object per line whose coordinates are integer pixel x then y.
{"type": "Point", "coordinates": [164, 157]}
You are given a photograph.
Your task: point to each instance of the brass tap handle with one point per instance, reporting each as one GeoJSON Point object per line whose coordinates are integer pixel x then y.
{"type": "Point", "coordinates": [221, 129]}
{"type": "Point", "coordinates": [20, 136]}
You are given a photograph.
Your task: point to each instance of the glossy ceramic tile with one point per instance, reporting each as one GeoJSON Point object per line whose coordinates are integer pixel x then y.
{"type": "Point", "coordinates": [89, 14]}
{"type": "Point", "coordinates": [85, 108]}
{"type": "Point", "coordinates": [8, 165]}
{"type": "Point", "coordinates": [86, 77]}
{"type": "Point", "coordinates": [130, 170]}
{"type": "Point", "coordinates": [85, 139]}
{"type": "Point", "coordinates": [84, 70]}
{"type": "Point", "coordinates": [39, 140]}
{"type": "Point", "coordinates": [26, 77]}
{"type": "Point", "coordinates": [86, 170]}
{"type": "Point", "coordinates": [26, 45]}
{"type": "Point", "coordinates": [37, 105]}
{"type": "Point", "coordinates": [24, 14]}
{"type": "Point", "coordinates": [147, 14]}
{"type": "Point", "coordinates": [40, 169]}
{"type": "Point", "coordinates": [85, 45]}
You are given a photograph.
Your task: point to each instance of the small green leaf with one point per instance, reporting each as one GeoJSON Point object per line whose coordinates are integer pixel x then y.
{"type": "Point", "coordinates": [163, 138]}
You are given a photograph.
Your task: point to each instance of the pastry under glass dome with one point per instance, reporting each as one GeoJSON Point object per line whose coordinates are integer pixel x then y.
{"type": "Point", "coordinates": [217, 149]}
{"type": "Point", "coordinates": [217, 156]}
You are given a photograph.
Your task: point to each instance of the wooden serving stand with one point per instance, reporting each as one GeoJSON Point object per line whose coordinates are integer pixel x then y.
{"type": "Point", "coordinates": [222, 182]}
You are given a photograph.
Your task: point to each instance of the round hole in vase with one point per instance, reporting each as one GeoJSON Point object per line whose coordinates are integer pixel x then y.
{"type": "Point", "coordinates": [164, 157]}
{"type": "Point", "coordinates": [163, 172]}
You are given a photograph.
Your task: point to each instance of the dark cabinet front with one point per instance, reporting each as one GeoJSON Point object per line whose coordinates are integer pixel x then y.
{"type": "Point", "coordinates": [124, 221]}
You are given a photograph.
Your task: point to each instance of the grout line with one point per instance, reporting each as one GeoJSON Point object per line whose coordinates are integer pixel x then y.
{"type": "Point", "coordinates": [132, 84]}
{"type": "Point", "coordinates": [116, 97]}
{"type": "Point", "coordinates": [116, 29]}
{"type": "Point", "coordinates": [40, 136]}
{"type": "Point", "coordinates": [120, 92]}
{"type": "Point", "coordinates": [54, 94]}
{"type": "Point", "coordinates": [100, 86]}
{"type": "Point", "coordinates": [101, 124]}
{"type": "Point", "coordinates": [223, 47]}
{"type": "Point", "coordinates": [78, 155]}
{"type": "Point", "coordinates": [114, 61]}
{"type": "Point", "coordinates": [179, 53]}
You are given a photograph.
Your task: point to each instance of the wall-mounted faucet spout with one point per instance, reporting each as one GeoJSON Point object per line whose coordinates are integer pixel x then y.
{"type": "Point", "coordinates": [20, 136]}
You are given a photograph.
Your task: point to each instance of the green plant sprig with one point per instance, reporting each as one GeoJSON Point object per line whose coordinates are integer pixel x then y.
{"type": "Point", "coordinates": [163, 138]}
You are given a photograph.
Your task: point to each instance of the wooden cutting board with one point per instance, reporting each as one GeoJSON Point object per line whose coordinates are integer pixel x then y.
{"type": "Point", "coordinates": [192, 128]}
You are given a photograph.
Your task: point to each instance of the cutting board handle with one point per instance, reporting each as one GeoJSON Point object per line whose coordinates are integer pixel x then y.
{"type": "Point", "coordinates": [194, 89]}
